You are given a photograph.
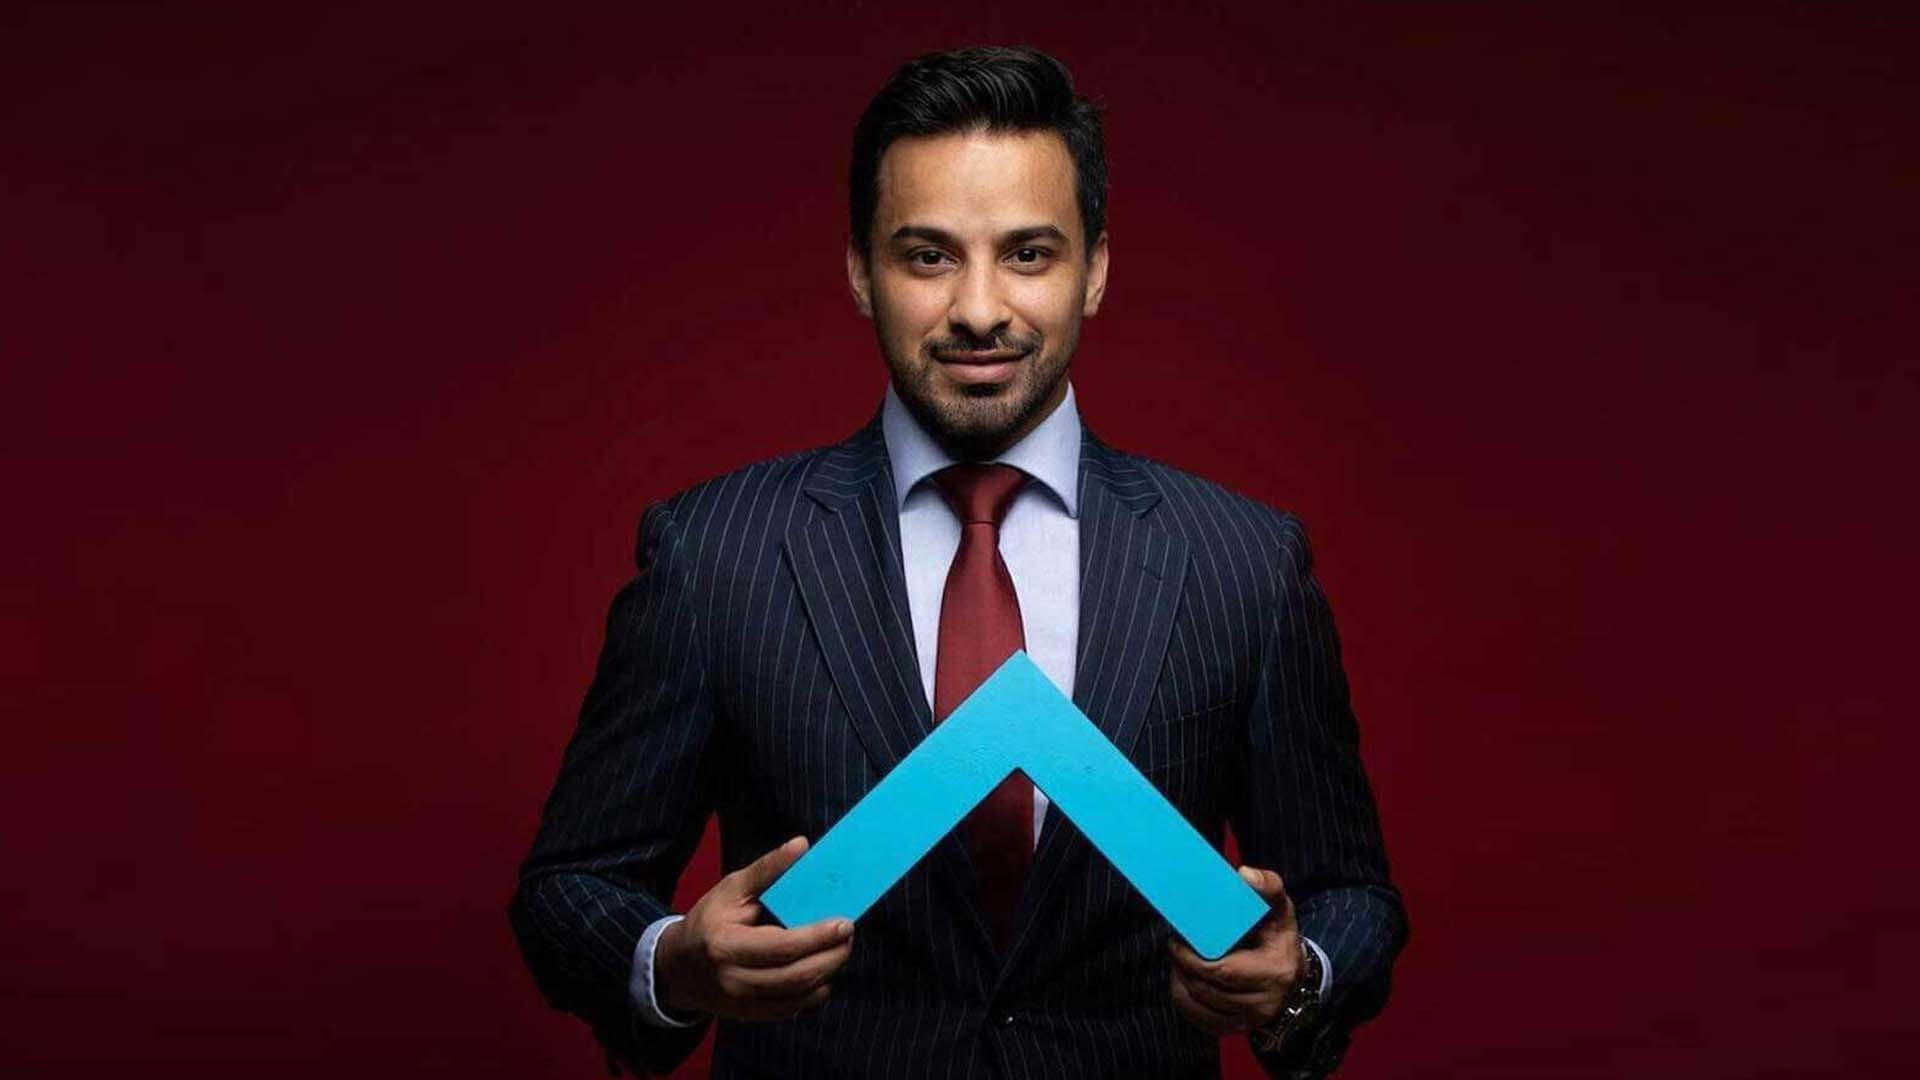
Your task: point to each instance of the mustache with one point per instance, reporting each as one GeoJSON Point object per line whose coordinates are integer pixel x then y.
{"type": "Point", "coordinates": [963, 346]}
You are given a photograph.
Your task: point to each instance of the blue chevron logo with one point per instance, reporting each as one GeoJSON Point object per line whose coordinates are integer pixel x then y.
{"type": "Point", "coordinates": [1017, 719]}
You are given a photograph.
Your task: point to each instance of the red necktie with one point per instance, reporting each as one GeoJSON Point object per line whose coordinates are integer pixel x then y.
{"type": "Point", "coordinates": [979, 629]}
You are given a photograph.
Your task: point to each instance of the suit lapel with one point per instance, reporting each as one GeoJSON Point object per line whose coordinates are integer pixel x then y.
{"type": "Point", "coordinates": [848, 566]}
{"type": "Point", "coordinates": [1131, 572]}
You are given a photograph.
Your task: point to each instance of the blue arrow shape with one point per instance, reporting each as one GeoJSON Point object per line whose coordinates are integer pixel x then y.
{"type": "Point", "coordinates": [1017, 719]}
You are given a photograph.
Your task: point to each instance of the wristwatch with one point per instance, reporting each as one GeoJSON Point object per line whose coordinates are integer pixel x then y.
{"type": "Point", "coordinates": [1298, 1009]}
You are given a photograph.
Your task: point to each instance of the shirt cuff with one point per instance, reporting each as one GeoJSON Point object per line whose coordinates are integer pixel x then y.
{"type": "Point", "coordinates": [640, 983]}
{"type": "Point", "coordinates": [1326, 966]}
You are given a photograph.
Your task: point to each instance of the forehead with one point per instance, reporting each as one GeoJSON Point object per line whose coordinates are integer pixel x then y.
{"type": "Point", "coordinates": [977, 182]}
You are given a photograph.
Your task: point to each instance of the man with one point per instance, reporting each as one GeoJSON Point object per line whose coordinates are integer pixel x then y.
{"type": "Point", "coordinates": [797, 626]}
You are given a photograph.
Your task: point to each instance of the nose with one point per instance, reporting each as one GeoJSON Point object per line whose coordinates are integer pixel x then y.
{"type": "Point", "coordinates": [978, 306]}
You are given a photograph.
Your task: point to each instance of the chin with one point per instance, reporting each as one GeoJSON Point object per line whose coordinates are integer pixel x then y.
{"type": "Point", "coordinates": [977, 420]}
{"type": "Point", "coordinates": [985, 391]}
{"type": "Point", "coordinates": [972, 417]}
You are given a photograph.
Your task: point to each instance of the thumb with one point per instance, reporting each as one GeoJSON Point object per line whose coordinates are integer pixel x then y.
{"type": "Point", "coordinates": [1266, 883]}
{"type": "Point", "coordinates": [760, 874]}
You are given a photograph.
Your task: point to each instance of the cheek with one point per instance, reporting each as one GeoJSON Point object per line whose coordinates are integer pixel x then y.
{"type": "Point", "coordinates": [1049, 307]}
{"type": "Point", "coordinates": [905, 336]}
{"type": "Point", "coordinates": [910, 310]}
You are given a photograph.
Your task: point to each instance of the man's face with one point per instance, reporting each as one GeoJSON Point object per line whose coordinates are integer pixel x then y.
{"type": "Point", "coordinates": [978, 280]}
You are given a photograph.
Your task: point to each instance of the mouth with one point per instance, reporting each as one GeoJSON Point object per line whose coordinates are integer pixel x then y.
{"type": "Point", "coordinates": [975, 368]}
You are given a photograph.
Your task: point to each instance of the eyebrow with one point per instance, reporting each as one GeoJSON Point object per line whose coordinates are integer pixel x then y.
{"type": "Point", "coordinates": [1012, 236]}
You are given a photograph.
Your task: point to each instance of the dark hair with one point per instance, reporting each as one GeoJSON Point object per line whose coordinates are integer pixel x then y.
{"type": "Point", "coordinates": [988, 88]}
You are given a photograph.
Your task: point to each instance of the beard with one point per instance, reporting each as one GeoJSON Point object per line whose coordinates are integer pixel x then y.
{"type": "Point", "coordinates": [975, 422]}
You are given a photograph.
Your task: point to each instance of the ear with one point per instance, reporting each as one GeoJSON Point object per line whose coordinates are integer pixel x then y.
{"type": "Point", "coordinates": [859, 277]}
{"type": "Point", "coordinates": [1096, 276]}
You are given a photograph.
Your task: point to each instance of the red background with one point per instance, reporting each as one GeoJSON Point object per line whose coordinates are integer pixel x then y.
{"type": "Point", "coordinates": [343, 350]}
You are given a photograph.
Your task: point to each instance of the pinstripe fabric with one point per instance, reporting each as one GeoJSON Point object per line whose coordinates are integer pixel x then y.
{"type": "Point", "coordinates": [761, 665]}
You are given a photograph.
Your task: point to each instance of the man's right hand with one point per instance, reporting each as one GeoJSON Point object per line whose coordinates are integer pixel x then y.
{"type": "Point", "coordinates": [717, 961]}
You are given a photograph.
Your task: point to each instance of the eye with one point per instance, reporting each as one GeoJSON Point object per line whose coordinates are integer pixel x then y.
{"type": "Point", "coordinates": [915, 257]}
{"type": "Point", "coordinates": [1039, 255]}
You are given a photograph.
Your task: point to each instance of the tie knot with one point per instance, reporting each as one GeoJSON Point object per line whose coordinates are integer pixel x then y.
{"type": "Point", "coordinates": [979, 492]}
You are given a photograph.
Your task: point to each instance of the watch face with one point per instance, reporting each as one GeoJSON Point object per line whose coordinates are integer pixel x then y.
{"type": "Point", "coordinates": [1273, 1037]}
{"type": "Point", "coordinates": [1307, 985]}
{"type": "Point", "coordinates": [1301, 999]}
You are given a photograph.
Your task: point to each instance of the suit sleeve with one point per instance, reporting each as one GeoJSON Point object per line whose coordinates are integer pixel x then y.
{"type": "Point", "coordinates": [626, 811]}
{"type": "Point", "coordinates": [1305, 809]}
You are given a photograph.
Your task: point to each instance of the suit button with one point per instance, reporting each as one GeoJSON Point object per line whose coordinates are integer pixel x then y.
{"type": "Point", "coordinates": [1005, 1019]}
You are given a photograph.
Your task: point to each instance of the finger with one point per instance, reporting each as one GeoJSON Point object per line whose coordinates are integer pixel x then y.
{"type": "Point", "coordinates": [1246, 1004]}
{"type": "Point", "coordinates": [769, 1009]}
{"type": "Point", "coordinates": [1205, 1018]}
{"type": "Point", "coordinates": [776, 946]}
{"type": "Point", "coordinates": [1237, 971]}
{"type": "Point", "coordinates": [798, 977]}
{"type": "Point", "coordinates": [757, 876]}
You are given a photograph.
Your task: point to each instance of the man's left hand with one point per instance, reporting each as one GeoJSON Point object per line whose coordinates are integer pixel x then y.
{"type": "Point", "coordinates": [1244, 988]}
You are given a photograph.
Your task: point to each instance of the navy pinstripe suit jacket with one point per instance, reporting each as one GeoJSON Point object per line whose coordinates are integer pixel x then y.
{"type": "Point", "coordinates": [761, 665]}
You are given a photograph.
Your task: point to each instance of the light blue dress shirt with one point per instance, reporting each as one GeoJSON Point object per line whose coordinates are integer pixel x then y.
{"type": "Point", "coordinates": [1039, 542]}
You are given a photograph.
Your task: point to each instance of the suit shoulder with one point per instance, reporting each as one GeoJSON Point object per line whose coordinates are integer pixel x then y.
{"type": "Point", "coordinates": [747, 501]}
{"type": "Point", "coordinates": [769, 477]}
{"type": "Point", "coordinates": [1209, 513]}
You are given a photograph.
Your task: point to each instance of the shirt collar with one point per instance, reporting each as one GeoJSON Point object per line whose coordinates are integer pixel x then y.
{"type": "Point", "coordinates": [1050, 453]}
